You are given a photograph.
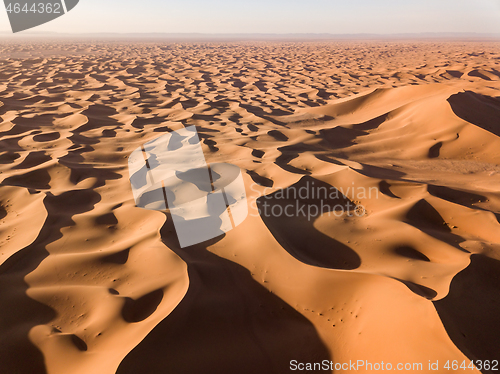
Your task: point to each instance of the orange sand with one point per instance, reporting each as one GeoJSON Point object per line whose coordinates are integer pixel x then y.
{"type": "Point", "coordinates": [89, 283]}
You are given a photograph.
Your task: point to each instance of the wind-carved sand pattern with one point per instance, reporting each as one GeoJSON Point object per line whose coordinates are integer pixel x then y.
{"type": "Point", "coordinates": [90, 283]}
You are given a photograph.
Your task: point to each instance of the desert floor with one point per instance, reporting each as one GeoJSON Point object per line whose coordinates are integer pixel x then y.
{"type": "Point", "coordinates": [90, 283]}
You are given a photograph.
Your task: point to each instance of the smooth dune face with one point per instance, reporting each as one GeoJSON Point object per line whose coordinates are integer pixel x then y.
{"type": "Point", "coordinates": [391, 252]}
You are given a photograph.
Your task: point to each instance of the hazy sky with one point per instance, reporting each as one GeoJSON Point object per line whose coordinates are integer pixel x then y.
{"type": "Point", "coordinates": [277, 16]}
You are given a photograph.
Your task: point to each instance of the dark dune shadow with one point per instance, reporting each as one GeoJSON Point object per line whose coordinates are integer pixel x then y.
{"type": "Point", "coordinates": [290, 152]}
{"type": "Point", "coordinates": [138, 310]}
{"type": "Point", "coordinates": [343, 137]}
{"type": "Point", "coordinates": [412, 253]}
{"type": "Point", "coordinates": [259, 112]}
{"type": "Point", "coordinates": [47, 137]}
{"type": "Point", "coordinates": [471, 311]}
{"type": "Point", "coordinates": [19, 314]}
{"type": "Point", "coordinates": [461, 197]}
{"type": "Point", "coordinates": [260, 179]}
{"type": "Point", "coordinates": [424, 215]}
{"type": "Point", "coordinates": [258, 153]}
{"type": "Point", "coordinates": [212, 144]}
{"type": "Point", "coordinates": [36, 179]}
{"type": "Point", "coordinates": [480, 110]}
{"type": "Point", "coordinates": [477, 73]}
{"type": "Point", "coordinates": [252, 128]}
{"type": "Point", "coordinates": [385, 188]}
{"type": "Point", "coordinates": [435, 150]}
{"type": "Point", "coordinates": [311, 103]}
{"type": "Point", "coordinates": [119, 258]}
{"type": "Point", "coordinates": [278, 135]}
{"type": "Point", "coordinates": [226, 323]}
{"type": "Point", "coordinates": [283, 162]}
{"type": "Point", "coordinates": [455, 73]}
{"type": "Point", "coordinates": [382, 173]}
{"type": "Point", "coordinates": [326, 158]}
{"type": "Point", "coordinates": [290, 214]}
{"type": "Point", "coordinates": [8, 157]}
{"type": "Point", "coordinates": [372, 123]}
{"type": "Point", "coordinates": [427, 219]}
{"type": "Point", "coordinates": [418, 289]}
{"type": "Point", "coordinates": [33, 159]}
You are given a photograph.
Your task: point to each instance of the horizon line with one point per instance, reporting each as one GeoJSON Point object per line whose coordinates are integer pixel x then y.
{"type": "Point", "coordinates": [257, 36]}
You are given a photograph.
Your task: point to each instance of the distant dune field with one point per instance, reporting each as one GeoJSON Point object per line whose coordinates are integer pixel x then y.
{"type": "Point", "coordinates": [409, 132]}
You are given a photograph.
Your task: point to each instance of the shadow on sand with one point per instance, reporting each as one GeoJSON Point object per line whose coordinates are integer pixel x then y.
{"type": "Point", "coordinates": [226, 323]}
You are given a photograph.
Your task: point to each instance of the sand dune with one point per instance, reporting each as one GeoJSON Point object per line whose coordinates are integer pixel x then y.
{"type": "Point", "coordinates": [409, 132]}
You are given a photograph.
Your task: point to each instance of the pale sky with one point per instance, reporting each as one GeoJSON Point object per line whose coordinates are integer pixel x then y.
{"type": "Point", "coordinates": [275, 16]}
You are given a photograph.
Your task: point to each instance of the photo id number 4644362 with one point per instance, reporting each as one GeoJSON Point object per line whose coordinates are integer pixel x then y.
{"type": "Point", "coordinates": [474, 364]}
{"type": "Point", "coordinates": [34, 8]}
